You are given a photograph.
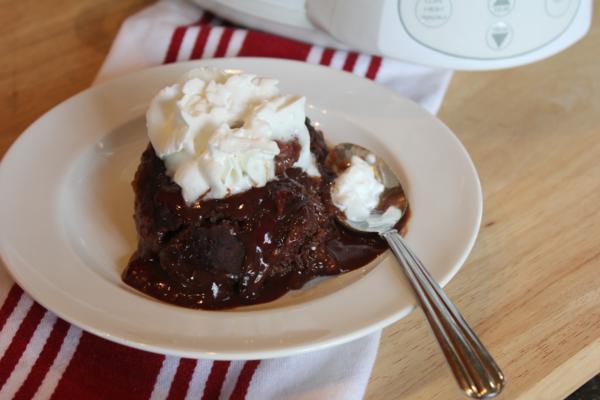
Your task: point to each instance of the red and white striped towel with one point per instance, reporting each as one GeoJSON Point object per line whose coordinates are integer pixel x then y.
{"type": "Point", "coordinates": [42, 356]}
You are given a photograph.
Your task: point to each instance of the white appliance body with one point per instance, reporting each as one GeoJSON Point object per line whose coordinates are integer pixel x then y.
{"type": "Point", "coordinates": [457, 34]}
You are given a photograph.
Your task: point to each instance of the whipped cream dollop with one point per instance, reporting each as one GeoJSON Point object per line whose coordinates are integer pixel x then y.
{"type": "Point", "coordinates": [356, 192]}
{"type": "Point", "coordinates": [217, 132]}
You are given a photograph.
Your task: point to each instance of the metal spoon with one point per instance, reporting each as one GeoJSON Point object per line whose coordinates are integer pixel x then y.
{"type": "Point", "coordinates": [475, 370]}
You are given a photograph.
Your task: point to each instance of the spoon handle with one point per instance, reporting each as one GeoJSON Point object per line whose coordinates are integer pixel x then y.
{"type": "Point", "coordinates": [475, 370]}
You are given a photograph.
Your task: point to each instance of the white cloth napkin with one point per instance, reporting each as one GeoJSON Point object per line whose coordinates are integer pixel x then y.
{"type": "Point", "coordinates": [42, 356]}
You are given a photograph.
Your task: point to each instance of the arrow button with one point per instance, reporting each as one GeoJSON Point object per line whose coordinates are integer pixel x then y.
{"type": "Point", "coordinates": [501, 8]}
{"type": "Point", "coordinates": [499, 36]}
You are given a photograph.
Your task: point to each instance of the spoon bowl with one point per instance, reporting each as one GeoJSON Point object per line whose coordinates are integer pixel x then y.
{"type": "Point", "coordinates": [393, 194]}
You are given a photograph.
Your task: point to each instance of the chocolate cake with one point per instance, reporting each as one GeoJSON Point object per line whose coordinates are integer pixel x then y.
{"type": "Point", "coordinates": [246, 248]}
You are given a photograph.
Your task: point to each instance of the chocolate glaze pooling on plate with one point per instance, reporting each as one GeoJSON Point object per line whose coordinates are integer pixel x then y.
{"type": "Point", "coordinates": [248, 248]}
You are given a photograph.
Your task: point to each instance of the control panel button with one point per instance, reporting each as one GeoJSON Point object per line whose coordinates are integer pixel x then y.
{"type": "Point", "coordinates": [433, 13]}
{"type": "Point", "coordinates": [499, 36]}
{"type": "Point", "coordinates": [557, 8]}
{"type": "Point", "coordinates": [501, 8]}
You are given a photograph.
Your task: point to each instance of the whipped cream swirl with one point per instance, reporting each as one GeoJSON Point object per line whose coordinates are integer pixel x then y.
{"type": "Point", "coordinates": [217, 132]}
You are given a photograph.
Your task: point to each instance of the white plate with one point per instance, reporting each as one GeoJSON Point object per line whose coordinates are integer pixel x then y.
{"type": "Point", "coordinates": [67, 232]}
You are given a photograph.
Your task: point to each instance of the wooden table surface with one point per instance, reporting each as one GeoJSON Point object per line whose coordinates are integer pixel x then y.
{"type": "Point", "coordinates": [531, 287]}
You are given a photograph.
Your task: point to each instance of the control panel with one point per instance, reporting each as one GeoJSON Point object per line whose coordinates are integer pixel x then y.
{"type": "Point", "coordinates": [486, 29]}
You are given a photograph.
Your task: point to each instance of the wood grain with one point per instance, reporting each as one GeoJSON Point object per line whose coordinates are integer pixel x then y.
{"type": "Point", "coordinates": [531, 286]}
{"type": "Point", "coordinates": [50, 51]}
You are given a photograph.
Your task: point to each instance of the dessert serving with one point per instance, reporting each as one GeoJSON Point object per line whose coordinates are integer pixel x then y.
{"type": "Point", "coordinates": [235, 201]}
